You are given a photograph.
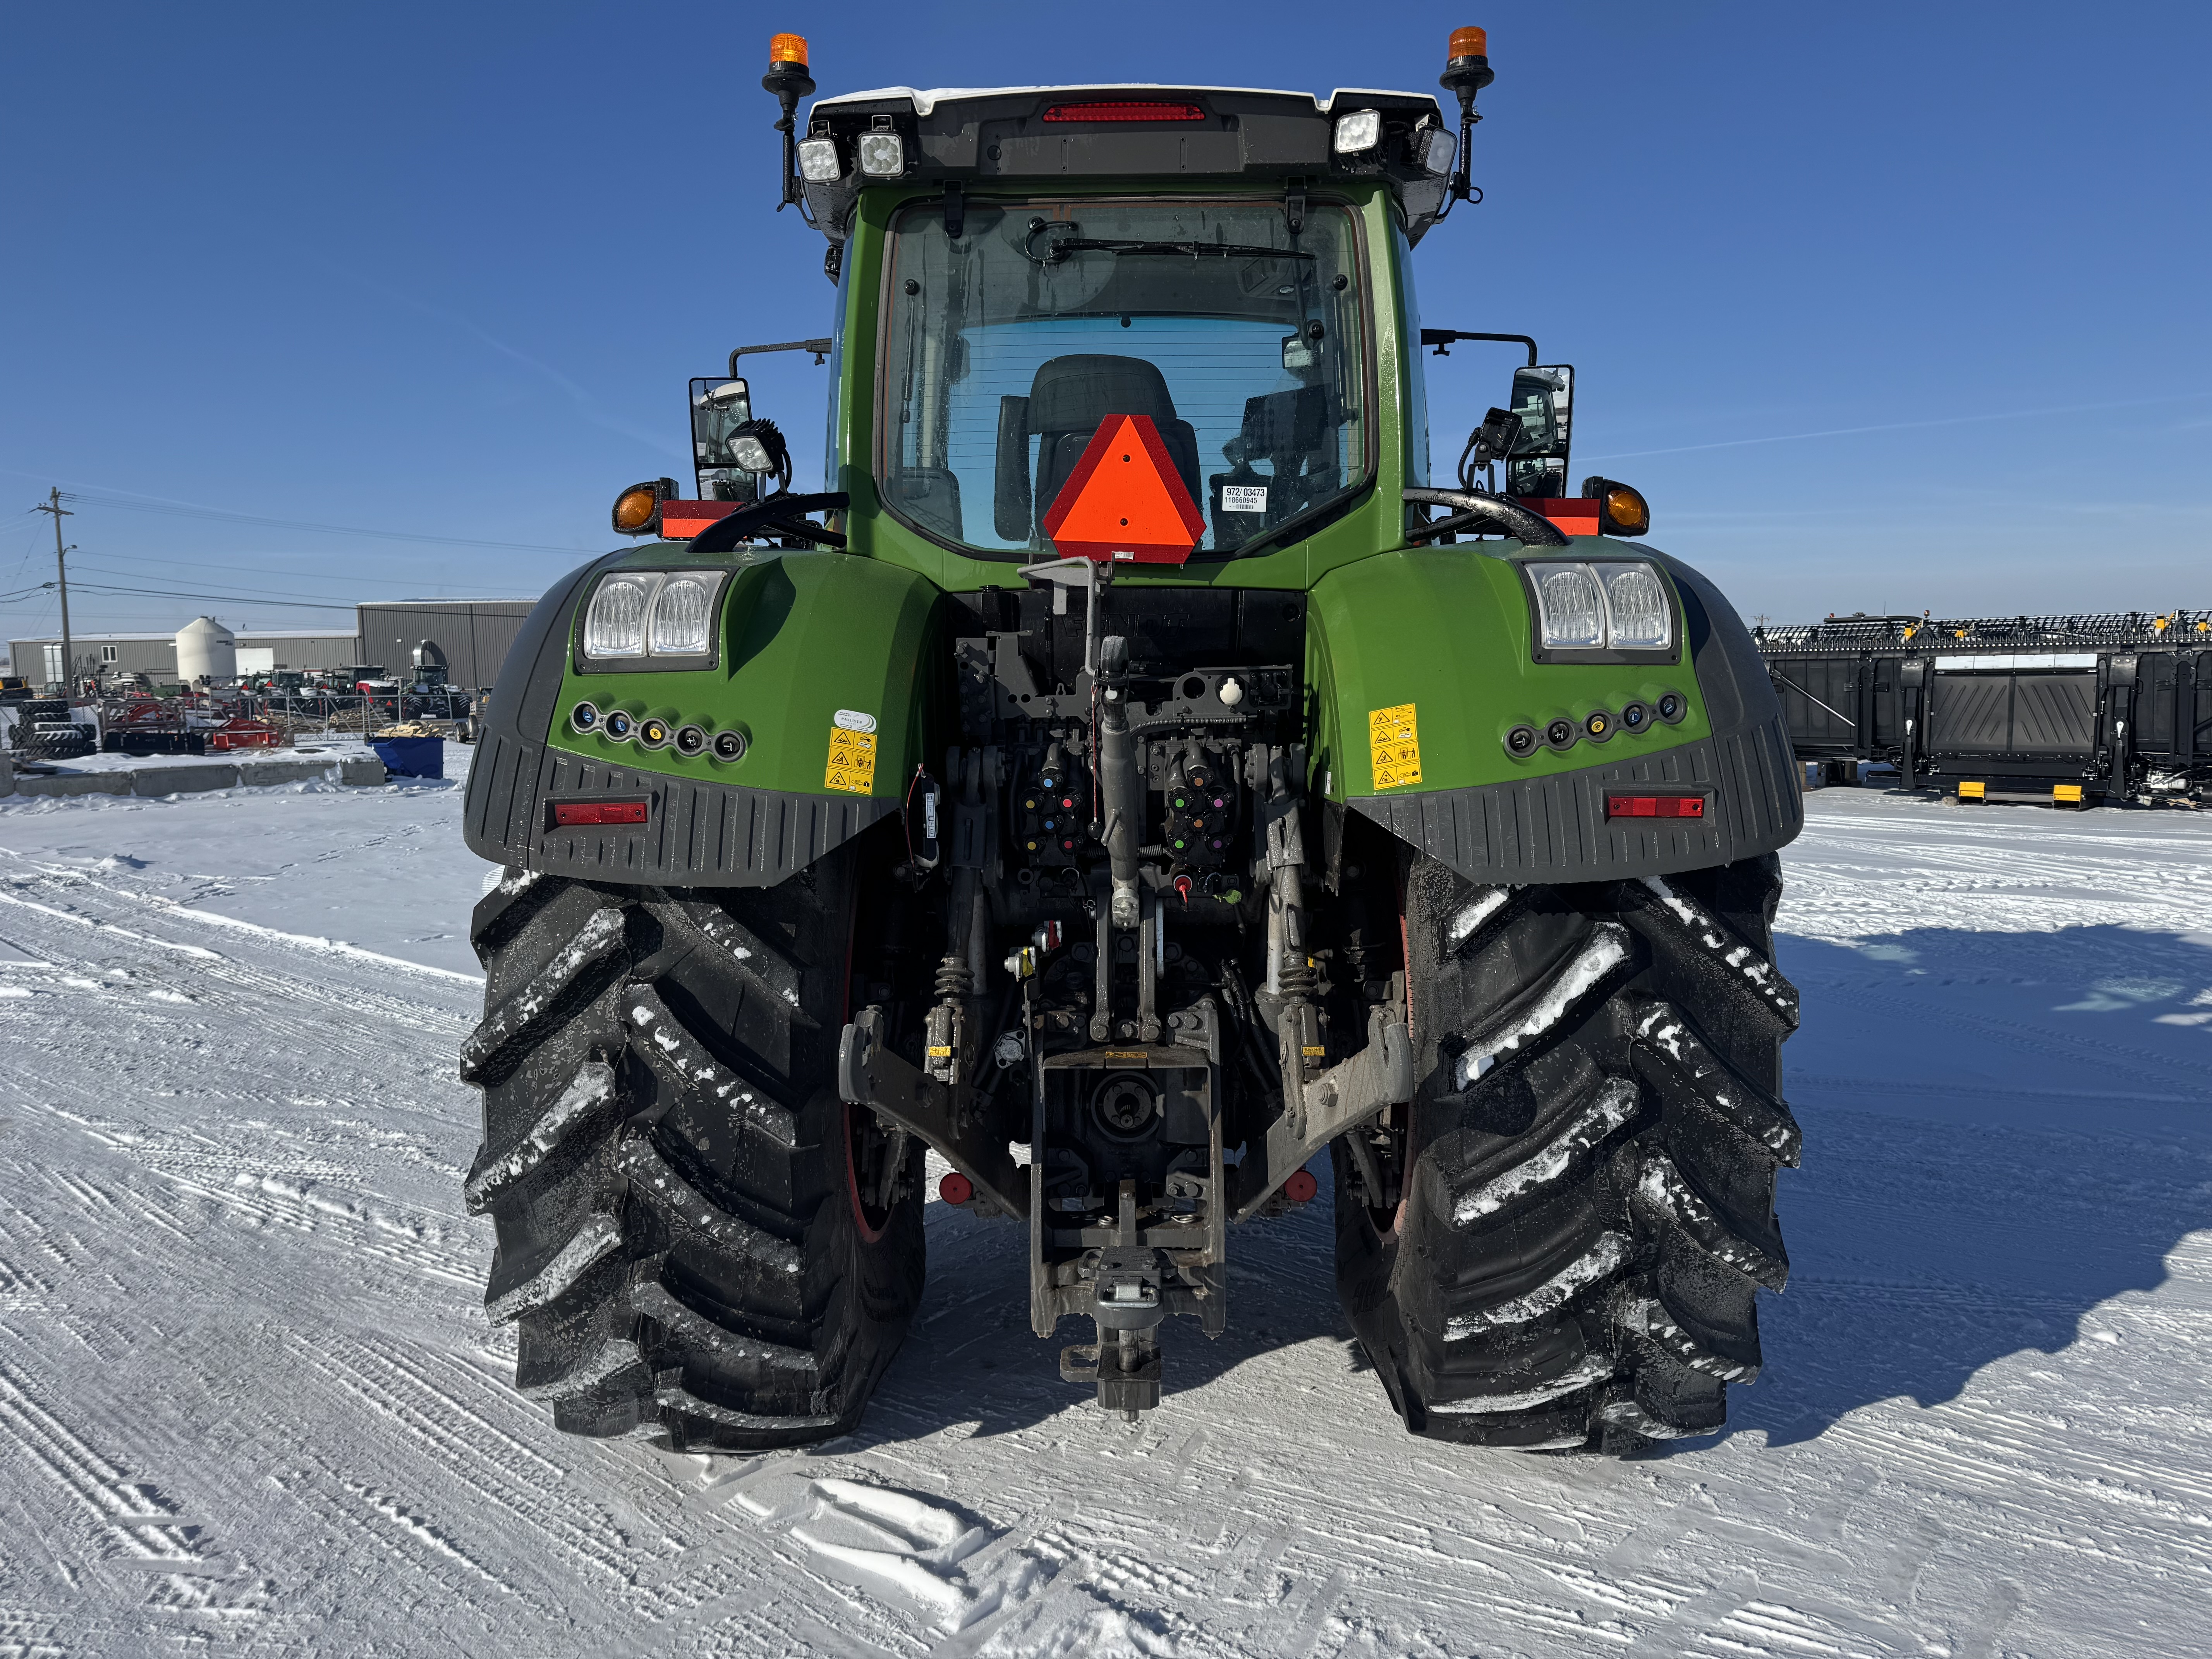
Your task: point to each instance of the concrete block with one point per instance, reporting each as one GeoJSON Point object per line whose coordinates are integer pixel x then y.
{"type": "Point", "coordinates": [184, 779]}
{"type": "Point", "coordinates": [360, 770]}
{"type": "Point", "coordinates": [257, 773]}
{"type": "Point", "coordinates": [75, 783]}
{"type": "Point", "coordinates": [7, 776]}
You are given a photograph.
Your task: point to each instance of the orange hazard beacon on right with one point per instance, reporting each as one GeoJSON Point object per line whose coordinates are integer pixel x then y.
{"type": "Point", "coordinates": [1125, 500]}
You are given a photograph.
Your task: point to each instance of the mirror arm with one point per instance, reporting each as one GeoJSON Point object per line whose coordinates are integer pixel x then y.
{"type": "Point", "coordinates": [1443, 337]}
{"type": "Point", "coordinates": [821, 350]}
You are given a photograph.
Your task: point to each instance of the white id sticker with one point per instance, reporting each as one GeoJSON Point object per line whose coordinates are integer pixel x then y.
{"type": "Point", "coordinates": [1243, 498]}
{"type": "Point", "coordinates": [852, 719]}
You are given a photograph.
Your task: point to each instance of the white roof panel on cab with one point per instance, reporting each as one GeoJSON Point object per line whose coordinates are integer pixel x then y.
{"type": "Point", "coordinates": [926, 101]}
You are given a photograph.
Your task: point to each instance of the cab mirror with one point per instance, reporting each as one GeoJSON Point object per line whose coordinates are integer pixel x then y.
{"type": "Point", "coordinates": [1543, 403]}
{"type": "Point", "coordinates": [719, 405]}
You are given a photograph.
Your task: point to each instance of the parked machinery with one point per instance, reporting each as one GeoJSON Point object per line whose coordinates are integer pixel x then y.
{"type": "Point", "coordinates": [2069, 709]}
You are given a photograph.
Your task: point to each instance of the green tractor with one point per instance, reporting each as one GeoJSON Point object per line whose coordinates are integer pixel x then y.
{"type": "Point", "coordinates": [1133, 781]}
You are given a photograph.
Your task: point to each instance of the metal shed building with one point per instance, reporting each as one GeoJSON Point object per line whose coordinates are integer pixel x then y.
{"type": "Point", "coordinates": [155, 655]}
{"type": "Point", "coordinates": [473, 635]}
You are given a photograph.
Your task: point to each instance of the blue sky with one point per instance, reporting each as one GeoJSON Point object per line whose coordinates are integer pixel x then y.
{"type": "Point", "coordinates": [1884, 307]}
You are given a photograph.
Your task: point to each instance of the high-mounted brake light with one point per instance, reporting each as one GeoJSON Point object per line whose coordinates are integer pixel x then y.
{"type": "Point", "coordinates": [1654, 806]}
{"type": "Point", "coordinates": [1124, 110]}
{"type": "Point", "coordinates": [571, 814]}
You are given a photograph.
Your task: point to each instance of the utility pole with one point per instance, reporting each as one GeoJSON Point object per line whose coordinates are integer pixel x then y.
{"type": "Point", "coordinates": [61, 570]}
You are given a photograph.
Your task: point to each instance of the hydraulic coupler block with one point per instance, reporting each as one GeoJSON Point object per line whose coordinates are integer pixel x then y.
{"type": "Point", "coordinates": [1202, 815]}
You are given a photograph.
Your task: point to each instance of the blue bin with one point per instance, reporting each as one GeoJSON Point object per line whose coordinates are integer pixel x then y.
{"type": "Point", "coordinates": [412, 757]}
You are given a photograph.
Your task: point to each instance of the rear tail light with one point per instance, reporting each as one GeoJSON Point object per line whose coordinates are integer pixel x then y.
{"type": "Point", "coordinates": [1654, 806]}
{"type": "Point", "coordinates": [579, 814]}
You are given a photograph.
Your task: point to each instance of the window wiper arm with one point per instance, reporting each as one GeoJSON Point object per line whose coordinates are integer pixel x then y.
{"type": "Point", "coordinates": [1057, 251]}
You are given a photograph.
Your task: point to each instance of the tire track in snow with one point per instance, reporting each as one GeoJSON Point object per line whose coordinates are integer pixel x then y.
{"type": "Point", "coordinates": [141, 1528]}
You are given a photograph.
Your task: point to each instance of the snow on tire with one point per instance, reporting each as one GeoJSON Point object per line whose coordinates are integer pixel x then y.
{"type": "Point", "coordinates": [1589, 1210]}
{"type": "Point", "coordinates": [681, 1238]}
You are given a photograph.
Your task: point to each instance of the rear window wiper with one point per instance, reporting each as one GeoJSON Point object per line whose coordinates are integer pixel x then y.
{"type": "Point", "coordinates": [1055, 251]}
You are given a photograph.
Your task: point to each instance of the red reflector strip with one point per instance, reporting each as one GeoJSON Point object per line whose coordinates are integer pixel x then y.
{"type": "Point", "coordinates": [681, 521]}
{"type": "Point", "coordinates": [1654, 806]}
{"type": "Point", "coordinates": [1124, 110]}
{"type": "Point", "coordinates": [1570, 516]}
{"type": "Point", "coordinates": [570, 813]}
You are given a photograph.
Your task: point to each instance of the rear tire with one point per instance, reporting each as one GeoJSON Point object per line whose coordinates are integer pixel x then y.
{"type": "Point", "coordinates": [684, 1239]}
{"type": "Point", "coordinates": [1589, 1210]}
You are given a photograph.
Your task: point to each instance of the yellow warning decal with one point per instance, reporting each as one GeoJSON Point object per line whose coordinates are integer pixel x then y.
{"type": "Point", "coordinates": [1394, 744]}
{"type": "Point", "coordinates": [851, 761]}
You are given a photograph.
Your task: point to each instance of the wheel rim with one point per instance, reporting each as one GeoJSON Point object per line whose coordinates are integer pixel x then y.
{"type": "Point", "coordinates": [871, 1220]}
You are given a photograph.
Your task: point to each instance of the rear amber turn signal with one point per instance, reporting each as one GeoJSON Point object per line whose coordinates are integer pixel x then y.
{"type": "Point", "coordinates": [637, 509]}
{"type": "Point", "coordinates": [1622, 509]}
{"type": "Point", "coordinates": [634, 512]}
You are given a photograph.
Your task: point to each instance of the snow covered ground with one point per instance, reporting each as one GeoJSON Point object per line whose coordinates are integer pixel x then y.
{"type": "Point", "coordinates": [248, 1400]}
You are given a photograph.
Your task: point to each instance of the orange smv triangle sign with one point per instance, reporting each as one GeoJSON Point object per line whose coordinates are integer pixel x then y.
{"type": "Point", "coordinates": [1125, 500]}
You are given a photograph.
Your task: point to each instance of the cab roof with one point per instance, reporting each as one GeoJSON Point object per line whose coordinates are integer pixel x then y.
{"type": "Point", "coordinates": [925, 102]}
{"type": "Point", "coordinates": [976, 138]}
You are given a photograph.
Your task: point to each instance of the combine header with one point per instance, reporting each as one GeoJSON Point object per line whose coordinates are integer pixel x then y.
{"type": "Point", "coordinates": [2067, 709]}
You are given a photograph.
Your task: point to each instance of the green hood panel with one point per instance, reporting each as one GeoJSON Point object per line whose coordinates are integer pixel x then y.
{"type": "Point", "coordinates": [1445, 631]}
{"type": "Point", "coordinates": [814, 645]}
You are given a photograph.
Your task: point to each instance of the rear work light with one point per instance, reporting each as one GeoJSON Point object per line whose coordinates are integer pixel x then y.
{"type": "Point", "coordinates": [577, 814]}
{"type": "Point", "coordinates": [1124, 110]}
{"type": "Point", "coordinates": [1654, 806]}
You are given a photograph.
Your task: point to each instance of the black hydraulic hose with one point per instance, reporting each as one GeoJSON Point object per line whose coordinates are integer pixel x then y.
{"type": "Point", "coordinates": [1477, 509]}
{"type": "Point", "coordinates": [782, 515]}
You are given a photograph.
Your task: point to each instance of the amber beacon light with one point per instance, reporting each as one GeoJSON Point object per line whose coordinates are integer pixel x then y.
{"type": "Point", "coordinates": [787, 78]}
{"type": "Point", "coordinates": [1467, 72]}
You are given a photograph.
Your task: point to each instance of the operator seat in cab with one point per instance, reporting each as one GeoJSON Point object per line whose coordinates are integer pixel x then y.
{"type": "Point", "coordinates": [1068, 397]}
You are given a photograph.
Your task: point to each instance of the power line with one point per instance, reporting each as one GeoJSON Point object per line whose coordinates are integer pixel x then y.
{"type": "Point", "coordinates": [214, 599]}
{"type": "Point", "coordinates": [173, 562]}
{"type": "Point", "coordinates": [185, 510]}
{"type": "Point", "coordinates": [271, 593]}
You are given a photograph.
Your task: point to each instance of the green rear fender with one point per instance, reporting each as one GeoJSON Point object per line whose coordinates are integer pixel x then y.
{"type": "Point", "coordinates": [824, 656]}
{"type": "Point", "coordinates": [1445, 633]}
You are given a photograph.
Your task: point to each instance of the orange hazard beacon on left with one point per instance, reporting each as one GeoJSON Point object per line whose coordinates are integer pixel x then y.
{"type": "Point", "coordinates": [1125, 500]}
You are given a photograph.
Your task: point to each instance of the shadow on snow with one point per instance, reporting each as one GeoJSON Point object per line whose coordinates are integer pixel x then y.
{"type": "Point", "coordinates": [2002, 1132]}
